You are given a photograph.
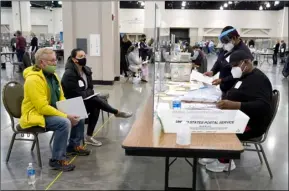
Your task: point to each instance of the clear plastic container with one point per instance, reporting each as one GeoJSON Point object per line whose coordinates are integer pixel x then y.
{"type": "Point", "coordinates": [31, 174]}
{"type": "Point", "coordinates": [184, 135]}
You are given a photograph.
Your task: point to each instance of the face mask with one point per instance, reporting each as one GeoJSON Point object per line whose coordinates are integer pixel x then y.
{"type": "Point", "coordinates": [82, 61]}
{"type": "Point", "coordinates": [237, 71]}
{"type": "Point", "coordinates": [49, 69]}
{"type": "Point", "coordinates": [229, 46]}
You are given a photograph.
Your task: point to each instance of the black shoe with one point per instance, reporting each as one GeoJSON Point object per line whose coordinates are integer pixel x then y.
{"type": "Point", "coordinates": [79, 151]}
{"type": "Point", "coordinates": [144, 80]}
{"type": "Point", "coordinates": [61, 165]}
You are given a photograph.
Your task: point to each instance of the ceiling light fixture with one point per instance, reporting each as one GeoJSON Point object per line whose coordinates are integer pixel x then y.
{"type": "Point", "coordinates": [230, 2]}
{"type": "Point", "coordinates": [183, 4]}
{"type": "Point", "coordinates": [221, 8]}
{"type": "Point", "coordinates": [276, 3]}
{"type": "Point", "coordinates": [226, 5]}
{"type": "Point", "coordinates": [268, 5]}
{"type": "Point", "coordinates": [60, 2]}
{"type": "Point", "coordinates": [260, 8]}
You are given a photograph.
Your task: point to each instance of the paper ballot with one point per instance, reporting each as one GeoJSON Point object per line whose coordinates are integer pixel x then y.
{"type": "Point", "coordinates": [197, 76]}
{"type": "Point", "coordinates": [74, 106]}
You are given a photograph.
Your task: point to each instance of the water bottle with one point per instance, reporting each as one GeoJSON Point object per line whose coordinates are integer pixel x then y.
{"type": "Point", "coordinates": [31, 174]}
{"type": "Point", "coordinates": [177, 104]}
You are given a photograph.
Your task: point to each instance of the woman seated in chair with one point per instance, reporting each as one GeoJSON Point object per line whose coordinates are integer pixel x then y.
{"type": "Point", "coordinates": [252, 94]}
{"type": "Point", "coordinates": [136, 64]}
{"type": "Point", "coordinates": [77, 81]}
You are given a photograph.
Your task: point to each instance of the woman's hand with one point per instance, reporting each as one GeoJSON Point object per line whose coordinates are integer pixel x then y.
{"type": "Point", "coordinates": [227, 104]}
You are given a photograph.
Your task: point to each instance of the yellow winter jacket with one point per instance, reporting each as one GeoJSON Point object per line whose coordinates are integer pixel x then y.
{"type": "Point", "coordinates": [36, 100]}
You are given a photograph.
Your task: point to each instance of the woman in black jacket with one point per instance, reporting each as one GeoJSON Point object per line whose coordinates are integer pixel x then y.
{"type": "Point", "coordinates": [77, 81]}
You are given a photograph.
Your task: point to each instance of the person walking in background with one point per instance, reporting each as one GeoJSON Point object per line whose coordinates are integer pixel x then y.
{"type": "Point", "coordinates": [143, 48]}
{"type": "Point", "coordinates": [125, 44]}
{"type": "Point", "coordinates": [13, 45]}
{"type": "Point", "coordinates": [20, 46]}
{"type": "Point", "coordinates": [275, 55]}
{"type": "Point", "coordinates": [34, 43]}
{"type": "Point", "coordinates": [282, 51]}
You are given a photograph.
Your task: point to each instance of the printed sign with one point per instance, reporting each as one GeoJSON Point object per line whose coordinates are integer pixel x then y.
{"type": "Point", "coordinates": [200, 121]}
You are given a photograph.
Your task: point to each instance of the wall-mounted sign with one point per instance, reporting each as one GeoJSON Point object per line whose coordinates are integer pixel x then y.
{"type": "Point", "coordinates": [94, 44]}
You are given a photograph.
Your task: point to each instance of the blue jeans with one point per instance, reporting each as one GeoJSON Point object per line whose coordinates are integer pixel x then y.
{"type": "Point", "coordinates": [61, 127]}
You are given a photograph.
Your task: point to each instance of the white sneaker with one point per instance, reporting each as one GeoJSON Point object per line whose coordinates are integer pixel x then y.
{"type": "Point", "coordinates": [206, 161]}
{"type": "Point", "coordinates": [216, 166]}
{"type": "Point", "coordinates": [92, 141]}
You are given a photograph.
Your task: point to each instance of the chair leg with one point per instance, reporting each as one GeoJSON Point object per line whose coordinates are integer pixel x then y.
{"type": "Point", "coordinates": [229, 170]}
{"type": "Point", "coordinates": [102, 116]}
{"type": "Point", "coordinates": [33, 145]}
{"type": "Point", "coordinates": [10, 147]}
{"type": "Point", "coordinates": [107, 114]}
{"type": "Point", "coordinates": [266, 161]}
{"type": "Point", "coordinates": [52, 137]}
{"type": "Point", "coordinates": [258, 151]}
{"type": "Point", "coordinates": [38, 151]}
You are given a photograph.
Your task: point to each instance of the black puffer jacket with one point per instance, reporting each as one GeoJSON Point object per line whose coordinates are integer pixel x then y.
{"type": "Point", "coordinates": [70, 81]}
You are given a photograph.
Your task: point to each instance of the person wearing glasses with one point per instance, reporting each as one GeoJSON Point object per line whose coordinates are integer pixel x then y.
{"type": "Point", "coordinates": [231, 41]}
{"type": "Point", "coordinates": [42, 89]}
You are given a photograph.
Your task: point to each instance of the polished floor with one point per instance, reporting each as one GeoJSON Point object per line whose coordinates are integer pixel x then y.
{"type": "Point", "coordinates": [107, 168]}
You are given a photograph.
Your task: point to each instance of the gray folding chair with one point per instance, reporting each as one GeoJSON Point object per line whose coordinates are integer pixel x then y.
{"type": "Point", "coordinates": [259, 140]}
{"type": "Point", "coordinates": [13, 95]}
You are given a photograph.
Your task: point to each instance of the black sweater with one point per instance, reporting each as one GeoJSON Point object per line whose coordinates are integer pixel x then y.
{"type": "Point", "coordinates": [255, 95]}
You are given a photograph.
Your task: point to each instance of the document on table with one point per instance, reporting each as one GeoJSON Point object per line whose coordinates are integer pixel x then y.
{"type": "Point", "coordinates": [200, 77]}
{"type": "Point", "coordinates": [74, 106]}
{"type": "Point", "coordinates": [91, 96]}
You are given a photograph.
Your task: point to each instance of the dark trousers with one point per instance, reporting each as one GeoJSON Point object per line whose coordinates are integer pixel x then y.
{"type": "Point", "coordinates": [275, 58]}
{"type": "Point", "coordinates": [93, 106]}
{"type": "Point", "coordinates": [13, 50]}
{"type": "Point", "coordinates": [20, 54]}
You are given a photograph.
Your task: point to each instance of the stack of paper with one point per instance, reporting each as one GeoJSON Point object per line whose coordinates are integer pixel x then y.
{"type": "Point", "coordinates": [197, 76]}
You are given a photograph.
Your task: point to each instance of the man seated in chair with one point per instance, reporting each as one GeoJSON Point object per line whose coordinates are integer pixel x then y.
{"type": "Point", "coordinates": [42, 90]}
{"type": "Point", "coordinates": [252, 94]}
{"type": "Point", "coordinates": [77, 81]}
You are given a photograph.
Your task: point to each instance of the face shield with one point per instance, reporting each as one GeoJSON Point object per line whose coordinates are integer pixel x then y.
{"type": "Point", "coordinates": [224, 36]}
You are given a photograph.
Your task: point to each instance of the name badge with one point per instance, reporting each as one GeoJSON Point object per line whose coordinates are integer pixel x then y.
{"type": "Point", "coordinates": [80, 83]}
{"type": "Point", "coordinates": [238, 84]}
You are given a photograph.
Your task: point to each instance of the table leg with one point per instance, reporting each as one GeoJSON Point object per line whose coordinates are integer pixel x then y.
{"type": "Point", "coordinates": [167, 169]}
{"type": "Point", "coordinates": [195, 168]}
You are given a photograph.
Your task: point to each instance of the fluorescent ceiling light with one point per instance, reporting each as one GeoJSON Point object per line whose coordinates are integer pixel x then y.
{"type": "Point", "coordinates": [60, 2]}
{"type": "Point", "coordinates": [230, 2]}
{"type": "Point", "coordinates": [261, 8]}
{"type": "Point", "coordinates": [221, 8]}
{"type": "Point", "coordinates": [226, 5]}
{"type": "Point", "coordinates": [183, 3]}
{"type": "Point", "coordinates": [142, 3]}
{"type": "Point", "coordinates": [276, 3]}
{"type": "Point", "coordinates": [268, 5]}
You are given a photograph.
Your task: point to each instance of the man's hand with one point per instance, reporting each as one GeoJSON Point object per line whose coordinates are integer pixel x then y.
{"type": "Point", "coordinates": [227, 104]}
{"type": "Point", "coordinates": [217, 82]}
{"type": "Point", "coordinates": [210, 73]}
{"type": "Point", "coordinates": [73, 119]}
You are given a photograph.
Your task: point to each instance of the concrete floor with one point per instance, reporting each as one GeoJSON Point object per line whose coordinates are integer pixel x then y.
{"type": "Point", "coordinates": [107, 168]}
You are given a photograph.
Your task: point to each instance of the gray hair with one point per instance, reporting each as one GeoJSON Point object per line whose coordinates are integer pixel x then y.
{"type": "Point", "coordinates": [42, 54]}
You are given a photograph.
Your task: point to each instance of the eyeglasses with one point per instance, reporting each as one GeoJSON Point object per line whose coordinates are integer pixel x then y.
{"type": "Point", "coordinates": [51, 61]}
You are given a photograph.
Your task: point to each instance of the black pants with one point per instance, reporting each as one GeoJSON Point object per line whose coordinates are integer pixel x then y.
{"type": "Point", "coordinates": [93, 106]}
{"type": "Point", "coordinates": [275, 58]}
{"type": "Point", "coordinates": [123, 65]}
{"type": "Point", "coordinates": [13, 50]}
{"type": "Point", "coordinates": [20, 54]}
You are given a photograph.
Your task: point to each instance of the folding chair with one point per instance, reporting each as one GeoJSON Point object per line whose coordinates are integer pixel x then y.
{"type": "Point", "coordinates": [13, 95]}
{"type": "Point", "coordinates": [259, 140]}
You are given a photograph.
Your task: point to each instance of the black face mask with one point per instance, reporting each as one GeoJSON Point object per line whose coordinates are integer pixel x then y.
{"type": "Point", "coordinates": [82, 61]}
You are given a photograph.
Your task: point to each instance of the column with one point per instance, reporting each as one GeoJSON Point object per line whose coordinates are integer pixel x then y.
{"type": "Point", "coordinates": [284, 25]}
{"type": "Point", "coordinates": [21, 19]}
{"type": "Point", "coordinates": [80, 19]}
{"type": "Point", "coordinates": [116, 40]}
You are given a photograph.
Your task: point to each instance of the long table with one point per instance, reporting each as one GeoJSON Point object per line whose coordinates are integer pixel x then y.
{"type": "Point", "coordinates": [144, 140]}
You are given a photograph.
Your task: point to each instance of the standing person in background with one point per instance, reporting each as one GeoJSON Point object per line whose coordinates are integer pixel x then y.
{"type": "Point", "coordinates": [125, 44]}
{"type": "Point", "coordinates": [143, 48]}
{"type": "Point", "coordinates": [198, 58]}
{"type": "Point", "coordinates": [13, 45]}
{"type": "Point", "coordinates": [20, 45]}
{"type": "Point", "coordinates": [276, 50]}
{"type": "Point", "coordinates": [52, 41]}
{"type": "Point", "coordinates": [282, 51]}
{"type": "Point", "coordinates": [231, 41]}
{"type": "Point", "coordinates": [251, 43]}
{"type": "Point", "coordinates": [34, 43]}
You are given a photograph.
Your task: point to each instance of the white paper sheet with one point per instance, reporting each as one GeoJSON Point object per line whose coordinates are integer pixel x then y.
{"type": "Point", "coordinates": [74, 106]}
{"type": "Point", "coordinates": [91, 96]}
{"type": "Point", "coordinates": [197, 76]}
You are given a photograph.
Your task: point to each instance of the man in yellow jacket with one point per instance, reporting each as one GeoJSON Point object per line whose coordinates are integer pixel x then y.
{"type": "Point", "coordinates": [42, 90]}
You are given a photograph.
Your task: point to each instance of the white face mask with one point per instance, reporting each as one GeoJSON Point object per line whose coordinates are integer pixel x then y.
{"type": "Point", "coordinates": [228, 47]}
{"type": "Point", "coordinates": [237, 71]}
